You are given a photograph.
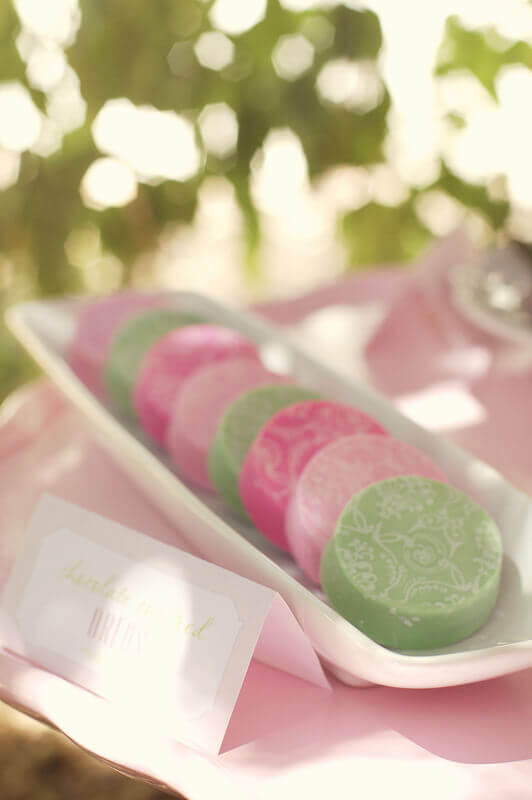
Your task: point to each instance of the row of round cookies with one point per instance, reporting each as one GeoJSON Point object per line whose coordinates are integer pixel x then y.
{"type": "Point", "coordinates": [408, 559]}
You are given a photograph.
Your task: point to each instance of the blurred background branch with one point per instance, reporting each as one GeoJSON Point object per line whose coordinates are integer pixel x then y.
{"type": "Point", "coordinates": [252, 149]}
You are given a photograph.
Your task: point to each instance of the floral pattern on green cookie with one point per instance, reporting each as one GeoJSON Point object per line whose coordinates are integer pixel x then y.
{"type": "Point", "coordinates": [418, 558]}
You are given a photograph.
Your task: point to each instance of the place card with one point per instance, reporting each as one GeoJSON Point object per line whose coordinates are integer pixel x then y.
{"type": "Point", "coordinates": [164, 634]}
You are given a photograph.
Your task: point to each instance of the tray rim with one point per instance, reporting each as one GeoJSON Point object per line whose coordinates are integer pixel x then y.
{"type": "Point", "coordinates": [387, 667]}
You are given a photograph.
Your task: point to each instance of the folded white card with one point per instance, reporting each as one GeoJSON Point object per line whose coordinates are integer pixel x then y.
{"type": "Point", "coordinates": [167, 635]}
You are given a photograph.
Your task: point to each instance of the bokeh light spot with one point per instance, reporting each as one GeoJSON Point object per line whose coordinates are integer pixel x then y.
{"type": "Point", "coordinates": [49, 140]}
{"type": "Point", "coordinates": [100, 271]}
{"type": "Point", "coordinates": [46, 67]}
{"type": "Point", "coordinates": [219, 129]}
{"type": "Point", "coordinates": [157, 145]}
{"type": "Point", "coordinates": [318, 30]}
{"type": "Point", "coordinates": [83, 246]}
{"type": "Point", "coordinates": [440, 212]}
{"type": "Point", "coordinates": [511, 19]}
{"type": "Point", "coordinates": [65, 105]}
{"type": "Point", "coordinates": [181, 59]}
{"type": "Point", "coordinates": [345, 188]}
{"type": "Point", "coordinates": [107, 183]}
{"type": "Point", "coordinates": [387, 187]}
{"type": "Point", "coordinates": [235, 16]}
{"type": "Point", "coordinates": [292, 56]}
{"type": "Point", "coordinates": [9, 168]}
{"type": "Point", "coordinates": [20, 120]}
{"type": "Point", "coordinates": [305, 5]}
{"type": "Point", "coordinates": [214, 50]}
{"type": "Point", "coordinates": [279, 171]}
{"type": "Point", "coordinates": [353, 84]}
{"type": "Point", "coordinates": [54, 20]}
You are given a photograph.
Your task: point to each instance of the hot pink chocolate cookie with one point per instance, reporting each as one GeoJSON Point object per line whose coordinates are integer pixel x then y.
{"type": "Point", "coordinates": [201, 403]}
{"type": "Point", "coordinates": [97, 324]}
{"type": "Point", "coordinates": [171, 360]}
{"type": "Point", "coordinates": [280, 452]}
{"type": "Point", "coordinates": [332, 477]}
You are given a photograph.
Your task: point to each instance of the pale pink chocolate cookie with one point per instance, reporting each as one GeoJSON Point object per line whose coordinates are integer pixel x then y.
{"type": "Point", "coordinates": [282, 449]}
{"type": "Point", "coordinates": [202, 401]}
{"type": "Point", "coordinates": [332, 477]}
{"type": "Point", "coordinates": [97, 324]}
{"type": "Point", "coordinates": [174, 358]}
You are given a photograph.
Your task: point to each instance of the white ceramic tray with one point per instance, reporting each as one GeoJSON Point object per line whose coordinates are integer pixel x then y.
{"type": "Point", "coordinates": [503, 645]}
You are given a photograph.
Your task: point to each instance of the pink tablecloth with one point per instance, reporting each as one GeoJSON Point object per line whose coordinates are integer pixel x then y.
{"type": "Point", "coordinates": [287, 739]}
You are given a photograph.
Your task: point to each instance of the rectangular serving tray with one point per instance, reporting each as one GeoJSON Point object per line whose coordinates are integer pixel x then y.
{"type": "Point", "coordinates": [502, 645]}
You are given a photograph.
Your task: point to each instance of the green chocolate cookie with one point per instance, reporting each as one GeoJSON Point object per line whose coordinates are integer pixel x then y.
{"type": "Point", "coordinates": [413, 563]}
{"type": "Point", "coordinates": [238, 427]}
{"type": "Point", "coordinates": [130, 345]}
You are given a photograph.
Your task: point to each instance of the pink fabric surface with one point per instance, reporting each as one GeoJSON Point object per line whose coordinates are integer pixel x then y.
{"type": "Point", "coordinates": [286, 738]}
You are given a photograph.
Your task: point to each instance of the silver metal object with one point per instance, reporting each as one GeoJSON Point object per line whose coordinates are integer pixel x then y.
{"type": "Point", "coordinates": [495, 292]}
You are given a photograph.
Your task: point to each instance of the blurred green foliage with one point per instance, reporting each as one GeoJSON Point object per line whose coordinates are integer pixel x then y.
{"type": "Point", "coordinates": [122, 50]}
{"type": "Point", "coordinates": [482, 53]}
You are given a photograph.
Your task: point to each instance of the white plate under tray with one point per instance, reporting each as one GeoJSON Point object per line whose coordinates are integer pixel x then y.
{"type": "Point", "coordinates": [503, 645]}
